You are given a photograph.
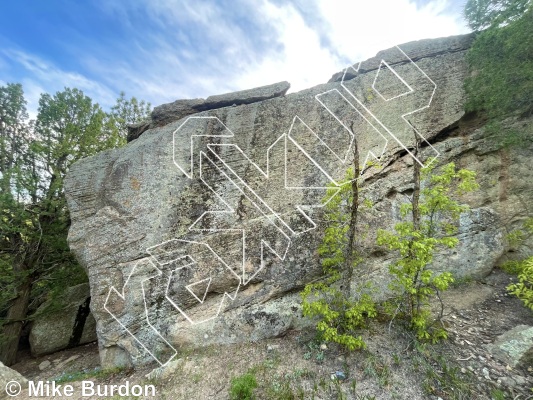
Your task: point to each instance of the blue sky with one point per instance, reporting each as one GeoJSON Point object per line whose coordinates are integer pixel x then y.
{"type": "Point", "coordinates": [163, 50]}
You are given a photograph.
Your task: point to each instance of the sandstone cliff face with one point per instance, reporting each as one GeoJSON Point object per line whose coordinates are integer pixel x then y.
{"type": "Point", "coordinates": [203, 230]}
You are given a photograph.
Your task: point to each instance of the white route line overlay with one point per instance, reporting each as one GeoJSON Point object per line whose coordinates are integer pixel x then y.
{"type": "Point", "coordinates": [123, 297]}
{"type": "Point", "coordinates": [432, 159]}
{"type": "Point", "coordinates": [226, 294]}
{"type": "Point", "coordinates": [273, 214]}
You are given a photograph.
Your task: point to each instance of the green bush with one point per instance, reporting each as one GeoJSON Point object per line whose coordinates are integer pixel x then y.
{"type": "Point", "coordinates": [242, 387]}
{"type": "Point", "coordinates": [432, 226]}
{"type": "Point", "coordinates": [338, 315]}
{"type": "Point", "coordinates": [523, 289]}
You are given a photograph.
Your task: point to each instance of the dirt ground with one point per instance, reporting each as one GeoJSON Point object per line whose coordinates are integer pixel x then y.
{"type": "Point", "coordinates": [297, 366]}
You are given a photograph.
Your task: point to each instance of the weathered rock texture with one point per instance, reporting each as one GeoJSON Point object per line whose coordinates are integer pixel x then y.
{"type": "Point", "coordinates": [136, 130]}
{"type": "Point", "coordinates": [70, 326]}
{"type": "Point", "coordinates": [161, 220]}
{"type": "Point", "coordinates": [9, 379]}
{"type": "Point", "coordinates": [515, 347]}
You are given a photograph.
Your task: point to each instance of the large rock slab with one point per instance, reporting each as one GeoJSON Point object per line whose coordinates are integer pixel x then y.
{"type": "Point", "coordinates": [167, 113]}
{"type": "Point", "coordinates": [247, 96]}
{"type": "Point", "coordinates": [204, 230]}
{"type": "Point", "coordinates": [70, 326]}
{"type": "Point", "coordinates": [10, 381]}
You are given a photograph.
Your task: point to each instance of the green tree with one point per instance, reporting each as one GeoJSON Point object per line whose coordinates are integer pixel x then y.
{"type": "Point", "coordinates": [501, 65]}
{"type": "Point", "coordinates": [501, 61]}
{"type": "Point", "coordinates": [34, 218]}
{"type": "Point", "coordinates": [69, 127]}
{"type": "Point", "coordinates": [339, 310]}
{"type": "Point", "coordinates": [126, 112]}
{"type": "Point", "coordinates": [483, 14]}
{"type": "Point", "coordinates": [340, 314]}
{"type": "Point", "coordinates": [432, 225]}
{"type": "Point", "coordinates": [17, 183]}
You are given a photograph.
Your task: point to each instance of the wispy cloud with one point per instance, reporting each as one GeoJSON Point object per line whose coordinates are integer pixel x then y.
{"type": "Point", "coordinates": [300, 57]}
{"type": "Point", "coordinates": [43, 76]}
{"type": "Point", "coordinates": [209, 47]}
{"type": "Point", "coordinates": [359, 29]}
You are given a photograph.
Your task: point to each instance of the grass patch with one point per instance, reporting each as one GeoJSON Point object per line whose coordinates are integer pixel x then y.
{"type": "Point", "coordinates": [280, 389]}
{"type": "Point", "coordinates": [242, 387]}
{"type": "Point", "coordinates": [376, 368]}
{"type": "Point", "coordinates": [442, 377]}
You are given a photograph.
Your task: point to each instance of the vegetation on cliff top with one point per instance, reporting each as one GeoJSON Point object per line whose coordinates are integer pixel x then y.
{"type": "Point", "coordinates": [501, 64]}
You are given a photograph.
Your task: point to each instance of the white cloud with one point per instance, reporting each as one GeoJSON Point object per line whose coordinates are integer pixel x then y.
{"type": "Point", "coordinates": [354, 30]}
{"type": "Point", "coordinates": [203, 48]}
{"type": "Point", "coordinates": [303, 61]}
{"type": "Point", "coordinates": [196, 49]}
{"type": "Point", "coordinates": [360, 29]}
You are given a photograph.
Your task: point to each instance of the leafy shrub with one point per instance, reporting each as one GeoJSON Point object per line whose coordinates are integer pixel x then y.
{"type": "Point", "coordinates": [431, 227]}
{"type": "Point", "coordinates": [338, 315]}
{"type": "Point", "coordinates": [242, 387]}
{"type": "Point", "coordinates": [523, 289]}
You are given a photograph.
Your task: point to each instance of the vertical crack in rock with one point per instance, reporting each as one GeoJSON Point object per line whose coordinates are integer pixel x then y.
{"type": "Point", "coordinates": [77, 330]}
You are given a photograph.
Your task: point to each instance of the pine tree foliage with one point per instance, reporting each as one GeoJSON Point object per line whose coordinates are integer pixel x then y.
{"type": "Point", "coordinates": [501, 59]}
{"type": "Point", "coordinates": [129, 111]}
{"type": "Point", "coordinates": [483, 14]}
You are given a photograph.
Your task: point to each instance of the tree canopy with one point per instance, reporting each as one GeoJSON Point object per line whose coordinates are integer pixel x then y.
{"type": "Point", "coordinates": [501, 58]}
{"type": "Point", "coordinates": [126, 112]}
{"type": "Point", "coordinates": [483, 14]}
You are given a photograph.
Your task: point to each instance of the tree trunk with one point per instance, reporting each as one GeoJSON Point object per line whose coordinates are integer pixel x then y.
{"type": "Point", "coordinates": [14, 321]}
{"type": "Point", "coordinates": [416, 181]}
{"type": "Point", "coordinates": [16, 314]}
{"type": "Point", "coordinates": [416, 193]}
{"type": "Point", "coordinates": [415, 202]}
{"type": "Point", "coordinates": [350, 252]}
